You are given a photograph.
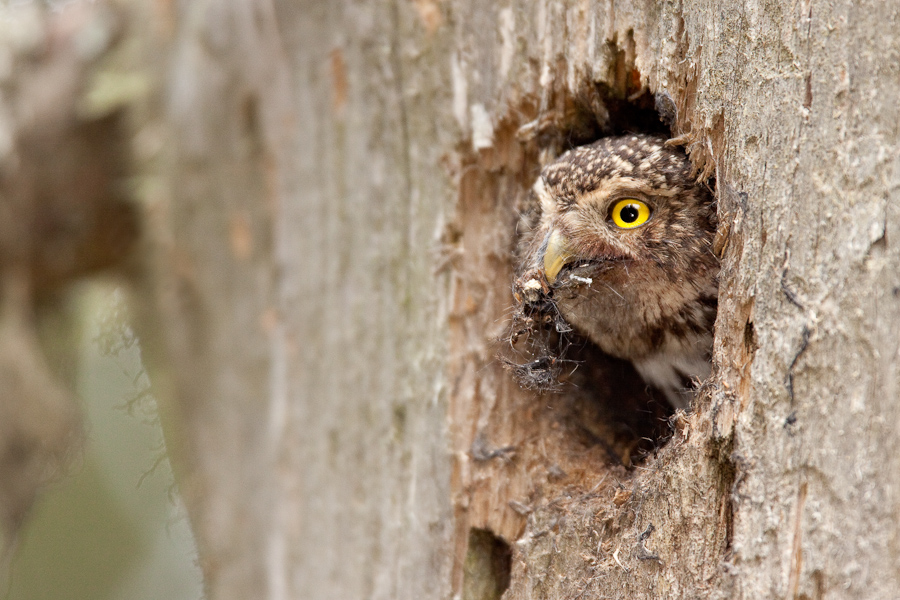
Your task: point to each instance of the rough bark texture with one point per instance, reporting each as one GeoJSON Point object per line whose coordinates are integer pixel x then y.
{"type": "Point", "coordinates": [332, 229]}
{"type": "Point", "coordinates": [336, 236]}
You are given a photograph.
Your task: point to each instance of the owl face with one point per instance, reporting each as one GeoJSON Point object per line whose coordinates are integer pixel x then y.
{"type": "Point", "coordinates": [618, 204]}
{"type": "Point", "coordinates": [624, 251]}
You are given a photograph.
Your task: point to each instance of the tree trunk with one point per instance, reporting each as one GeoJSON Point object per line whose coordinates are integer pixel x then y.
{"type": "Point", "coordinates": [332, 225]}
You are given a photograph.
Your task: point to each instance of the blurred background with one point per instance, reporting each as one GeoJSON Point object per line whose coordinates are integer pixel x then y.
{"type": "Point", "coordinates": [114, 528]}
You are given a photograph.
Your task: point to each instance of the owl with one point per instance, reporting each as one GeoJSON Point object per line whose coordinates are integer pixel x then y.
{"type": "Point", "coordinates": [623, 251]}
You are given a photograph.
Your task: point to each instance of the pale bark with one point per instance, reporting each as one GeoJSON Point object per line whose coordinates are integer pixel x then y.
{"type": "Point", "coordinates": [340, 221]}
{"type": "Point", "coordinates": [331, 235]}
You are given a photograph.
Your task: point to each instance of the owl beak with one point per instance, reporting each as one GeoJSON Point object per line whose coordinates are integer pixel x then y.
{"type": "Point", "coordinates": [556, 254]}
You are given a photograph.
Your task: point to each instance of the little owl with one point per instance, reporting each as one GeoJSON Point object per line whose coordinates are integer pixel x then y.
{"type": "Point", "coordinates": [624, 251]}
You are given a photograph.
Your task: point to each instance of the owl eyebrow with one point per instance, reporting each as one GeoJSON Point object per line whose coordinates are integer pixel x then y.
{"type": "Point", "coordinates": [627, 185]}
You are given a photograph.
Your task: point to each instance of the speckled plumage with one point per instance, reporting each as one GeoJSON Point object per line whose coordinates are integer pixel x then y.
{"type": "Point", "coordinates": [646, 294]}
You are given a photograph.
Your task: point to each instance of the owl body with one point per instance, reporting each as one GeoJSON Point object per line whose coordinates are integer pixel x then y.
{"type": "Point", "coordinates": [624, 248]}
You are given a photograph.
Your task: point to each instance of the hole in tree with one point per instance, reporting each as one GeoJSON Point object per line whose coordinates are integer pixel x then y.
{"type": "Point", "coordinates": [521, 449]}
{"type": "Point", "coordinates": [601, 399]}
{"type": "Point", "coordinates": [487, 567]}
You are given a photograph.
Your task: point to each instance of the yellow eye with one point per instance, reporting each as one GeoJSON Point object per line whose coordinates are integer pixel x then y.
{"type": "Point", "coordinates": [630, 213]}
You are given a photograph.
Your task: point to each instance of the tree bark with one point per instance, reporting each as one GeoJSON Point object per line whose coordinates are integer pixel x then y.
{"type": "Point", "coordinates": [340, 220]}
{"type": "Point", "coordinates": [331, 240]}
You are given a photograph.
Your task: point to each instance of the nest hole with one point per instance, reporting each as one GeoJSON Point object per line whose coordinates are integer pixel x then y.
{"type": "Point", "coordinates": [601, 400]}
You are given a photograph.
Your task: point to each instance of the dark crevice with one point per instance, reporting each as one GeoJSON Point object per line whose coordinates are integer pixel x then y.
{"type": "Point", "coordinates": [750, 341]}
{"type": "Point", "coordinates": [608, 403]}
{"type": "Point", "coordinates": [598, 111]}
{"type": "Point", "coordinates": [723, 453]}
{"type": "Point", "coordinates": [488, 566]}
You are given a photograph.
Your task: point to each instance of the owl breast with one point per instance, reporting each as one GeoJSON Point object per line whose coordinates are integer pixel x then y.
{"type": "Point", "coordinates": [636, 313]}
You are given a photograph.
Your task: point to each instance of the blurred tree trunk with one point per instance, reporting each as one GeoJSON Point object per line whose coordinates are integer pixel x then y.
{"type": "Point", "coordinates": [64, 217]}
{"type": "Point", "coordinates": [331, 221]}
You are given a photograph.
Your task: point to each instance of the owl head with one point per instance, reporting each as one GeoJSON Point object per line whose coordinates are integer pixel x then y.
{"type": "Point", "coordinates": [619, 208]}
